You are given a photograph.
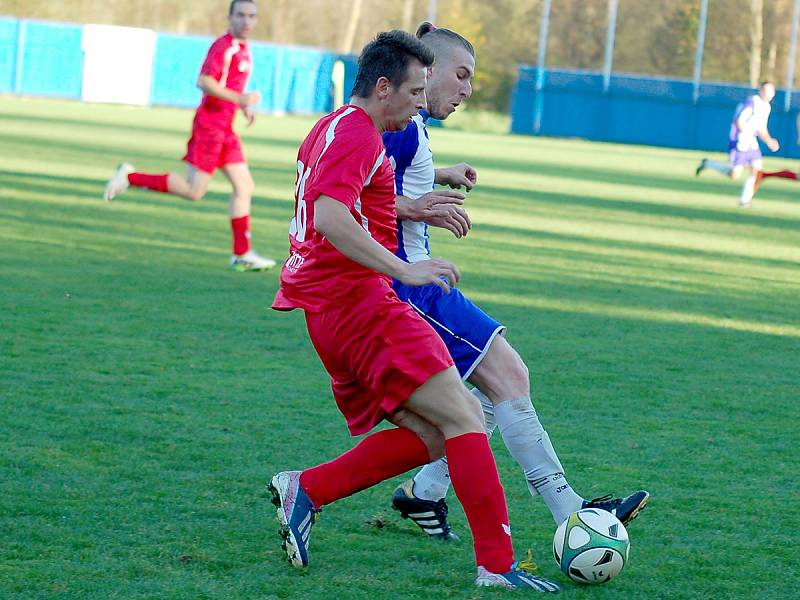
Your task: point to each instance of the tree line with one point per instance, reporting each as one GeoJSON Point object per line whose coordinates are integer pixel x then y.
{"type": "Point", "coordinates": [746, 40]}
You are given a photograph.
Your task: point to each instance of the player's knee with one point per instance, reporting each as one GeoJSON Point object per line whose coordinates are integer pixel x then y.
{"type": "Point", "coordinates": [502, 375]}
{"type": "Point", "coordinates": [519, 376]}
{"type": "Point", "coordinates": [466, 414]}
{"type": "Point", "coordinates": [245, 188]}
{"type": "Point", "coordinates": [196, 194]}
{"type": "Point", "coordinates": [431, 436]}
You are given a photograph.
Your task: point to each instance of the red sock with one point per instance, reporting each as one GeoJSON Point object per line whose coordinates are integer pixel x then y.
{"type": "Point", "coordinates": [241, 234]}
{"type": "Point", "coordinates": [784, 174]}
{"type": "Point", "coordinates": [157, 183]}
{"type": "Point", "coordinates": [473, 473]}
{"type": "Point", "coordinates": [376, 458]}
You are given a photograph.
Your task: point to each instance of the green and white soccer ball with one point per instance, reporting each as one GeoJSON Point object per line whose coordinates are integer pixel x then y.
{"type": "Point", "coordinates": [591, 546]}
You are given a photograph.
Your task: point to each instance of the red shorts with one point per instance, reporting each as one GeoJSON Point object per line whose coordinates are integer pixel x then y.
{"type": "Point", "coordinates": [378, 351]}
{"type": "Point", "coordinates": [208, 149]}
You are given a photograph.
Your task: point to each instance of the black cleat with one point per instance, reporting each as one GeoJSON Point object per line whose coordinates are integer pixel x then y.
{"type": "Point", "coordinates": [625, 509]}
{"type": "Point", "coordinates": [430, 516]}
{"type": "Point", "coordinates": [700, 168]}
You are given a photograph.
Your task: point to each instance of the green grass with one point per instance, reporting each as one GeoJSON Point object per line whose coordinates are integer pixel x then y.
{"type": "Point", "coordinates": [148, 393]}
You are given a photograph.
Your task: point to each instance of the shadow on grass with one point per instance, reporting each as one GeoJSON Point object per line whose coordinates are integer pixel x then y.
{"type": "Point", "coordinates": [562, 201]}
{"type": "Point", "coordinates": [648, 247]}
{"type": "Point", "coordinates": [119, 127]}
{"type": "Point", "coordinates": [48, 184]}
{"type": "Point", "coordinates": [96, 154]}
{"type": "Point", "coordinates": [125, 127]}
{"type": "Point", "coordinates": [690, 183]}
{"type": "Point", "coordinates": [564, 283]}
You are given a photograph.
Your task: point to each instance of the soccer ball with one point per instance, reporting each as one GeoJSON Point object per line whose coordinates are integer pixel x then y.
{"type": "Point", "coordinates": [591, 546]}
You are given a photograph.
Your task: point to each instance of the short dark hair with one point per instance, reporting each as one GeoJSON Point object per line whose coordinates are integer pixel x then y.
{"type": "Point", "coordinates": [437, 37]}
{"type": "Point", "coordinates": [233, 4]}
{"type": "Point", "coordinates": [388, 55]}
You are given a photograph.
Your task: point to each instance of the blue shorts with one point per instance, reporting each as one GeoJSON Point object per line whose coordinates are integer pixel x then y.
{"type": "Point", "coordinates": [744, 158]}
{"type": "Point", "coordinates": [467, 331]}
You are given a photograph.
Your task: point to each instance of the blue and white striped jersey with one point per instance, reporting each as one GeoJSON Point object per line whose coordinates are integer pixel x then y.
{"type": "Point", "coordinates": [412, 161]}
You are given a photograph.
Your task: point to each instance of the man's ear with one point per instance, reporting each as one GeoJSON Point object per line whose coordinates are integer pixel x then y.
{"type": "Point", "coordinates": [383, 88]}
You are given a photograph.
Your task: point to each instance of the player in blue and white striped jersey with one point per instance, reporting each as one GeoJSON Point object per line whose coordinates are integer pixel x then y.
{"type": "Point", "coordinates": [475, 340]}
{"type": "Point", "coordinates": [749, 123]}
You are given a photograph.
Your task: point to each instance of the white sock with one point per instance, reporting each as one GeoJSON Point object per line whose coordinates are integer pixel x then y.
{"type": "Point", "coordinates": [719, 167]}
{"type": "Point", "coordinates": [530, 445]}
{"type": "Point", "coordinates": [432, 482]}
{"type": "Point", "coordinates": [747, 190]}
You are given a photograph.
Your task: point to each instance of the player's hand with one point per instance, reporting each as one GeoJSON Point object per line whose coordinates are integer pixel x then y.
{"type": "Point", "coordinates": [250, 115]}
{"type": "Point", "coordinates": [436, 271]}
{"type": "Point", "coordinates": [249, 99]}
{"type": "Point", "coordinates": [451, 217]}
{"type": "Point", "coordinates": [457, 176]}
{"type": "Point", "coordinates": [773, 145]}
{"type": "Point", "coordinates": [439, 208]}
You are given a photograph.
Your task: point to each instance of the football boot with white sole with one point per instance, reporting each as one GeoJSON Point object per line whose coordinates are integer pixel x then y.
{"type": "Point", "coordinates": [429, 515]}
{"type": "Point", "coordinates": [295, 513]}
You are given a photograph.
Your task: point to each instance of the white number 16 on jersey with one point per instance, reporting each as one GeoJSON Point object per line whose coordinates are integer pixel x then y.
{"type": "Point", "coordinates": [297, 228]}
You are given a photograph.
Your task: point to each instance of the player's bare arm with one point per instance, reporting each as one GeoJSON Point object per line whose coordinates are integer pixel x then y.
{"type": "Point", "coordinates": [457, 176]}
{"type": "Point", "coordinates": [439, 208]}
{"type": "Point", "coordinates": [333, 220]}
{"type": "Point", "coordinates": [212, 87]}
{"type": "Point", "coordinates": [770, 141]}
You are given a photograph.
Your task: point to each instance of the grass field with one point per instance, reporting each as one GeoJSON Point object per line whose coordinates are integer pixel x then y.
{"type": "Point", "coordinates": [148, 393]}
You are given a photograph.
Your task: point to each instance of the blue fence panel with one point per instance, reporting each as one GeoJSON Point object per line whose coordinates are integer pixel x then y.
{"type": "Point", "coordinates": [572, 103]}
{"type": "Point", "coordinates": [176, 67]}
{"type": "Point", "coordinates": [9, 38]}
{"type": "Point", "coordinates": [303, 71]}
{"type": "Point", "coordinates": [350, 62]}
{"type": "Point", "coordinates": [323, 88]}
{"type": "Point", "coordinates": [523, 98]}
{"type": "Point", "coordinates": [265, 61]}
{"type": "Point", "coordinates": [289, 79]}
{"type": "Point", "coordinates": [641, 110]}
{"type": "Point", "coordinates": [52, 60]}
{"type": "Point", "coordinates": [302, 80]}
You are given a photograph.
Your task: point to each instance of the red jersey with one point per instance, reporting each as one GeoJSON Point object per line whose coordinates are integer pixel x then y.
{"type": "Point", "coordinates": [228, 61]}
{"type": "Point", "coordinates": [344, 158]}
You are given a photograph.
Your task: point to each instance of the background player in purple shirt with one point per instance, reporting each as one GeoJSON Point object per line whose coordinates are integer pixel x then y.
{"type": "Point", "coordinates": [749, 123]}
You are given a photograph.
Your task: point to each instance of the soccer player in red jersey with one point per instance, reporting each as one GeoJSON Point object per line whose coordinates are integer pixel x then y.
{"type": "Point", "coordinates": [385, 362]}
{"type": "Point", "coordinates": [214, 144]}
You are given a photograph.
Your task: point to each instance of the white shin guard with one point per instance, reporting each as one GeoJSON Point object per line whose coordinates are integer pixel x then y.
{"type": "Point", "coordinates": [528, 442]}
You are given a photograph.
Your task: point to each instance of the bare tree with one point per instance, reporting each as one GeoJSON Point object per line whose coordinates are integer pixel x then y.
{"type": "Point", "coordinates": [408, 14]}
{"type": "Point", "coordinates": [756, 39]}
{"type": "Point", "coordinates": [352, 25]}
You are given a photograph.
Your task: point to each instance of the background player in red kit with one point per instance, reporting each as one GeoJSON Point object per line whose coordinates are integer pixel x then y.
{"type": "Point", "coordinates": [214, 144]}
{"type": "Point", "coordinates": [384, 360]}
